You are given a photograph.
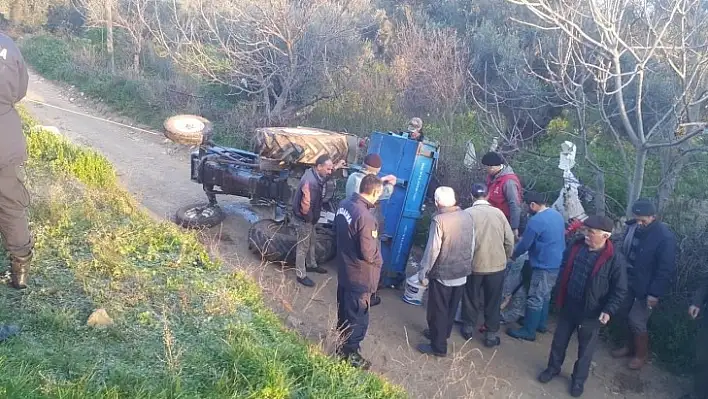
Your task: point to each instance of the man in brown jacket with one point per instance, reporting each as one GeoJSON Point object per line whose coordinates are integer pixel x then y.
{"type": "Point", "coordinates": [14, 197]}
{"type": "Point", "coordinates": [494, 244]}
{"type": "Point", "coordinates": [307, 207]}
{"type": "Point", "coordinates": [446, 263]}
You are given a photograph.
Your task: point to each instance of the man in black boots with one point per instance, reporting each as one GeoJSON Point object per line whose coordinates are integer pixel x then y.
{"type": "Point", "coordinates": [359, 261]}
{"type": "Point", "coordinates": [14, 197]}
{"type": "Point", "coordinates": [591, 287]}
{"type": "Point", "coordinates": [650, 250]}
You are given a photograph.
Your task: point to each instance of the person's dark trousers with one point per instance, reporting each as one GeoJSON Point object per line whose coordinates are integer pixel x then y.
{"type": "Point", "coordinates": [442, 306]}
{"type": "Point", "coordinates": [352, 318]}
{"type": "Point", "coordinates": [491, 285]}
{"type": "Point", "coordinates": [700, 381]}
{"type": "Point", "coordinates": [571, 320]}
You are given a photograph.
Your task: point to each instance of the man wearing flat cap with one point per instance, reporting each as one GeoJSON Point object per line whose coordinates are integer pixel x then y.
{"type": "Point", "coordinates": [504, 188]}
{"type": "Point", "coordinates": [591, 285]}
{"type": "Point", "coordinates": [650, 249]}
{"type": "Point", "coordinates": [371, 166]}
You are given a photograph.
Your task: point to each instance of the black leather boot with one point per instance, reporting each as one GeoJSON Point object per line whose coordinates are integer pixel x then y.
{"type": "Point", "coordinates": [19, 270]}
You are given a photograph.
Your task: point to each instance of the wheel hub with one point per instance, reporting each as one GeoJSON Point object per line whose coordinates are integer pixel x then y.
{"type": "Point", "coordinates": [189, 125]}
{"type": "Point", "coordinates": [197, 212]}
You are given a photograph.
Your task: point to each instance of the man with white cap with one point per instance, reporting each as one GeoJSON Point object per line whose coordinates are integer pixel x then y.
{"type": "Point", "coordinates": [446, 263]}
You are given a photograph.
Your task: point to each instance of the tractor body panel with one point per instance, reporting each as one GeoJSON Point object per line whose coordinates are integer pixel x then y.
{"type": "Point", "coordinates": [413, 164]}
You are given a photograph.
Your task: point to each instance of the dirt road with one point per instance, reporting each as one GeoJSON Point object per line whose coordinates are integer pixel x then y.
{"type": "Point", "coordinates": [157, 173]}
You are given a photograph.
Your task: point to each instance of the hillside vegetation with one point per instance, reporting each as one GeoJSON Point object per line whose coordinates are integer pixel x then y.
{"type": "Point", "coordinates": [181, 327]}
{"type": "Point", "coordinates": [626, 81]}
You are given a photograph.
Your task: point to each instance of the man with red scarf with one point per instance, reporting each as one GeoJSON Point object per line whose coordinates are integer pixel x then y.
{"type": "Point", "coordinates": [591, 285]}
{"type": "Point", "coordinates": [504, 188]}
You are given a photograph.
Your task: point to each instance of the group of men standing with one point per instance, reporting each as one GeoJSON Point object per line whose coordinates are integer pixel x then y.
{"type": "Point", "coordinates": [594, 278]}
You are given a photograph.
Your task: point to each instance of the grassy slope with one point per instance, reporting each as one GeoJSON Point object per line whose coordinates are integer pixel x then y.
{"type": "Point", "coordinates": [182, 327]}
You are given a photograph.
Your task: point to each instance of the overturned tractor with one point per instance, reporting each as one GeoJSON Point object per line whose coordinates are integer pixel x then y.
{"type": "Point", "coordinates": [268, 175]}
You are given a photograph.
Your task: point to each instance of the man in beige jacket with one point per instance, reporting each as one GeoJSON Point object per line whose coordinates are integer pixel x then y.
{"type": "Point", "coordinates": [494, 244]}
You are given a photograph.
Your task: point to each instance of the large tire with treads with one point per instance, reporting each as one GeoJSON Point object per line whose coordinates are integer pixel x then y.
{"type": "Point", "coordinates": [276, 241]}
{"type": "Point", "coordinates": [300, 145]}
{"type": "Point", "coordinates": [188, 129]}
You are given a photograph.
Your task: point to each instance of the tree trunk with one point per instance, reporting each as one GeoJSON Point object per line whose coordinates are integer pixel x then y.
{"type": "Point", "coordinates": [136, 56]}
{"type": "Point", "coordinates": [637, 182]}
{"type": "Point", "coordinates": [109, 36]}
{"type": "Point", "coordinates": [671, 168]}
{"type": "Point", "coordinates": [600, 207]}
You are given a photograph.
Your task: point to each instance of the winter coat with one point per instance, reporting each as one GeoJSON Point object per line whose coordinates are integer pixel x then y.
{"type": "Point", "coordinates": [494, 240]}
{"type": "Point", "coordinates": [13, 88]}
{"type": "Point", "coordinates": [606, 285]}
{"type": "Point", "coordinates": [505, 194]}
{"type": "Point", "coordinates": [307, 201]}
{"type": "Point", "coordinates": [358, 245]}
{"type": "Point", "coordinates": [654, 263]}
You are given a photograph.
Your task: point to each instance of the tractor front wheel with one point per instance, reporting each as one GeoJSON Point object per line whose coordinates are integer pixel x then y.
{"type": "Point", "coordinates": [199, 216]}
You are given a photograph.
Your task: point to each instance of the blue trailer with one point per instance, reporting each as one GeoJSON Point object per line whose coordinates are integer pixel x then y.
{"type": "Point", "coordinates": [413, 164]}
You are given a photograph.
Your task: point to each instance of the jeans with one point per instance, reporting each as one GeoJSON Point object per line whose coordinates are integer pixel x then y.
{"type": "Point", "coordinates": [542, 283]}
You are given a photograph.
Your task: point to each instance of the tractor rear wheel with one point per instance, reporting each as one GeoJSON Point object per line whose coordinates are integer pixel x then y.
{"type": "Point", "coordinates": [277, 241]}
{"type": "Point", "coordinates": [300, 145]}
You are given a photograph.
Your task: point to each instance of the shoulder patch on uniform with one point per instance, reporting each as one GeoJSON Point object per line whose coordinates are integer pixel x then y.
{"type": "Point", "coordinates": [375, 233]}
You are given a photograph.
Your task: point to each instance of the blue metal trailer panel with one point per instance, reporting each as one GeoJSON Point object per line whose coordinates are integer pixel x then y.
{"type": "Point", "coordinates": [412, 163]}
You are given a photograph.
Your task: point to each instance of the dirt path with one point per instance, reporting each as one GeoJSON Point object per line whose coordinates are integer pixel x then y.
{"type": "Point", "coordinates": [158, 174]}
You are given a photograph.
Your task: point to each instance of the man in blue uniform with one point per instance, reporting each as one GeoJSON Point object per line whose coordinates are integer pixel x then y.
{"type": "Point", "coordinates": [359, 262]}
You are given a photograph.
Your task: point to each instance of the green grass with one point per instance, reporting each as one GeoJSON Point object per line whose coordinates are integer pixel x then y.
{"type": "Point", "coordinates": [183, 328]}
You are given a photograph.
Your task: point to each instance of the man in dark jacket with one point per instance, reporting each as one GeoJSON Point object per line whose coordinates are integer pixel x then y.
{"type": "Point", "coordinates": [14, 197]}
{"type": "Point", "coordinates": [307, 206]}
{"type": "Point", "coordinates": [359, 259]}
{"type": "Point", "coordinates": [446, 263]}
{"type": "Point", "coordinates": [650, 249]}
{"type": "Point", "coordinates": [591, 287]}
{"type": "Point", "coordinates": [504, 189]}
{"type": "Point", "coordinates": [700, 379]}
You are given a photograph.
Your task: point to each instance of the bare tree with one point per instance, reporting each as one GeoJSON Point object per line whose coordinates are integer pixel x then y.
{"type": "Point", "coordinates": [628, 47]}
{"type": "Point", "coordinates": [128, 16]}
{"type": "Point", "coordinates": [511, 104]}
{"type": "Point", "coordinates": [430, 66]}
{"type": "Point", "coordinates": [285, 54]}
